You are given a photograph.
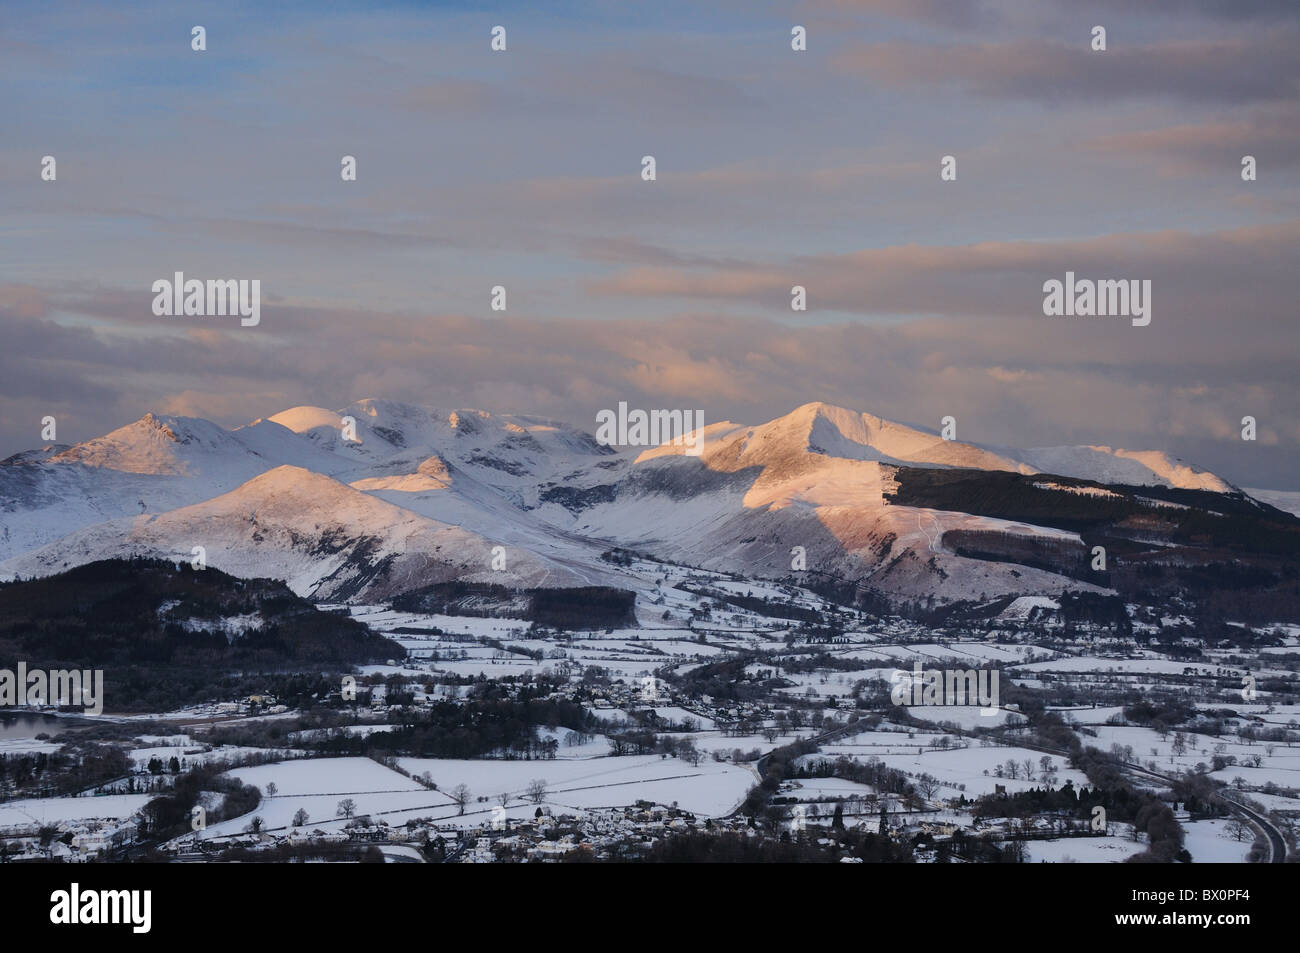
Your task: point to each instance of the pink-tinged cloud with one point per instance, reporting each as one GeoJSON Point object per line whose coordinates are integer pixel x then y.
{"type": "Point", "coordinates": [1245, 269]}
{"type": "Point", "coordinates": [1269, 134]}
{"type": "Point", "coordinates": [1261, 69]}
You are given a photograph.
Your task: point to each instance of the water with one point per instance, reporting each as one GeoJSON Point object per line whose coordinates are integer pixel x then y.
{"type": "Point", "coordinates": [28, 725]}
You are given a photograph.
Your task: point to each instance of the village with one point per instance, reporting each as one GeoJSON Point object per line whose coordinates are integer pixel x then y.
{"type": "Point", "coordinates": [741, 728]}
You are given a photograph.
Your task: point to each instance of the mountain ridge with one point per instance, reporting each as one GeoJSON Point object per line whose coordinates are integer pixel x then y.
{"type": "Point", "coordinates": [402, 495]}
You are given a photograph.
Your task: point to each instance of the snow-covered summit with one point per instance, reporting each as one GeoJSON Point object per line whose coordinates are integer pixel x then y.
{"type": "Point", "coordinates": [1136, 467]}
{"type": "Point", "coordinates": [379, 494]}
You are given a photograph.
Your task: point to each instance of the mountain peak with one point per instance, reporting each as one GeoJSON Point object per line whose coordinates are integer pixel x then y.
{"type": "Point", "coordinates": [306, 417]}
{"type": "Point", "coordinates": [288, 476]}
{"type": "Point", "coordinates": [467, 421]}
{"type": "Point", "coordinates": [834, 431]}
{"type": "Point", "coordinates": [305, 496]}
{"type": "Point", "coordinates": [155, 444]}
{"type": "Point", "coordinates": [390, 409]}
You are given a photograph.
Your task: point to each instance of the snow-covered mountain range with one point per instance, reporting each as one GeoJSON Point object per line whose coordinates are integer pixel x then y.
{"type": "Point", "coordinates": [410, 496]}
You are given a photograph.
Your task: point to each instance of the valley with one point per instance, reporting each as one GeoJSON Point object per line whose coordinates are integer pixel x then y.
{"type": "Point", "coordinates": [422, 636]}
{"type": "Point", "coordinates": [712, 720]}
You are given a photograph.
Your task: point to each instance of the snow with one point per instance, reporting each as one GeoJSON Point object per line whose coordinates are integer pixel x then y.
{"type": "Point", "coordinates": [420, 484]}
{"type": "Point", "coordinates": [273, 526]}
{"type": "Point", "coordinates": [305, 418]}
{"type": "Point", "coordinates": [318, 785]}
{"type": "Point", "coordinates": [964, 716]}
{"type": "Point", "coordinates": [1286, 500]}
{"type": "Point", "coordinates": [960, 770]}
{"type": "Point", "coordinates": [14, 746]}
{"type": "Point", "coordinates": [1095, 491]}
{"type": "Point", "coordinates": [1208, 844]}
{"type": "Point", "coordinates": [1022, 608]}
{"type": "Point", "coordinates": [51, 810]}
{"type": "Point", "coordinates": [1083, 663]}
{"type": "Point", "coordinates": [811, 789]}
{"type": "Point", "coordinates": [400, 853]}
{"type": "Point", "coordinates": [1138, 467]}
{"type": "Point", "coordinates": [709, 789]}
{"type": "Point", "coordinates": [1085, 850]}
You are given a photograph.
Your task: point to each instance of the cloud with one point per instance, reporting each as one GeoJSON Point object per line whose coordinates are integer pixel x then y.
{"type": "Point", "coordinates": [775, 169]}
{"type": "Point", "coordinates": [22, 302]}
{"type": "Point", "coordinates": [1268, 133]}
{"type": "Point", "coordinates": [1018, 380]}
{"type": "Point", "coordinates": [238, 405]}
{"type": "Point", "coordinates": [1230, 70]}
{"type": "Point", "coordinates": [1219, 9]}
{"type": "Point", "coordinates": [1197, 277]}
{"type": "Point", "coordinates": [1014, 375]}
{"type": "Point", "coordinates": [952, 14]}
{"type": "Point", "coordinates": [447, 96]}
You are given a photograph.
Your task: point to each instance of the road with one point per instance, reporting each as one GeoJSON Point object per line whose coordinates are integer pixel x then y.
{"type": "Point", "coordinates": [1276, 843]}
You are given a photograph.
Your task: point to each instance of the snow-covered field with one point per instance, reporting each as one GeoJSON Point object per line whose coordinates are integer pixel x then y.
{"type": "Point", "coordinates": [709, 789]}
{"type": "Point", "coordinates": [970, 771]}
{"type": "Point", "coordinates": [469, 479]}
{"type": "Point", "coordinates": [319, 785]}
{"type": "Point", "coordinates": [811, 789]}
{"type": "Point", "coordinates": [51, 810]}
{"type": "Point", "coordinates": [1207, 843]}
{"type": "Point", "coordinates": [965, 716]}
{"type": "Point", "coordinates": [1084, 850]}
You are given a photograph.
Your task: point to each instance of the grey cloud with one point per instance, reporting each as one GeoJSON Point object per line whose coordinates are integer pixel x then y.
{"type": "Point", "coordinates": [1230, 70]}
{"type": "Point", "coordinates": [1216, 144]}
{"type": "Point", "coordinates": [1016, 381]}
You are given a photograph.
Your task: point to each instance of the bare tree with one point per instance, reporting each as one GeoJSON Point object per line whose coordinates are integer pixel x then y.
{"type": "Point", "coordinates": [347, 807]}
{"type": "Point", "coordinates": [1237, 830]}
{"type": "Point", "coordinates": [460, 795]}
{"type": "Point", "coordinates": [536, 791]}
{"type": "Point", "coordinates": [928, 785]}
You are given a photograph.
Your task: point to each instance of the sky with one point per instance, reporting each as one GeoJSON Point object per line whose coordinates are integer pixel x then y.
{"type": "Point", "coordinates": [774, 168]}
